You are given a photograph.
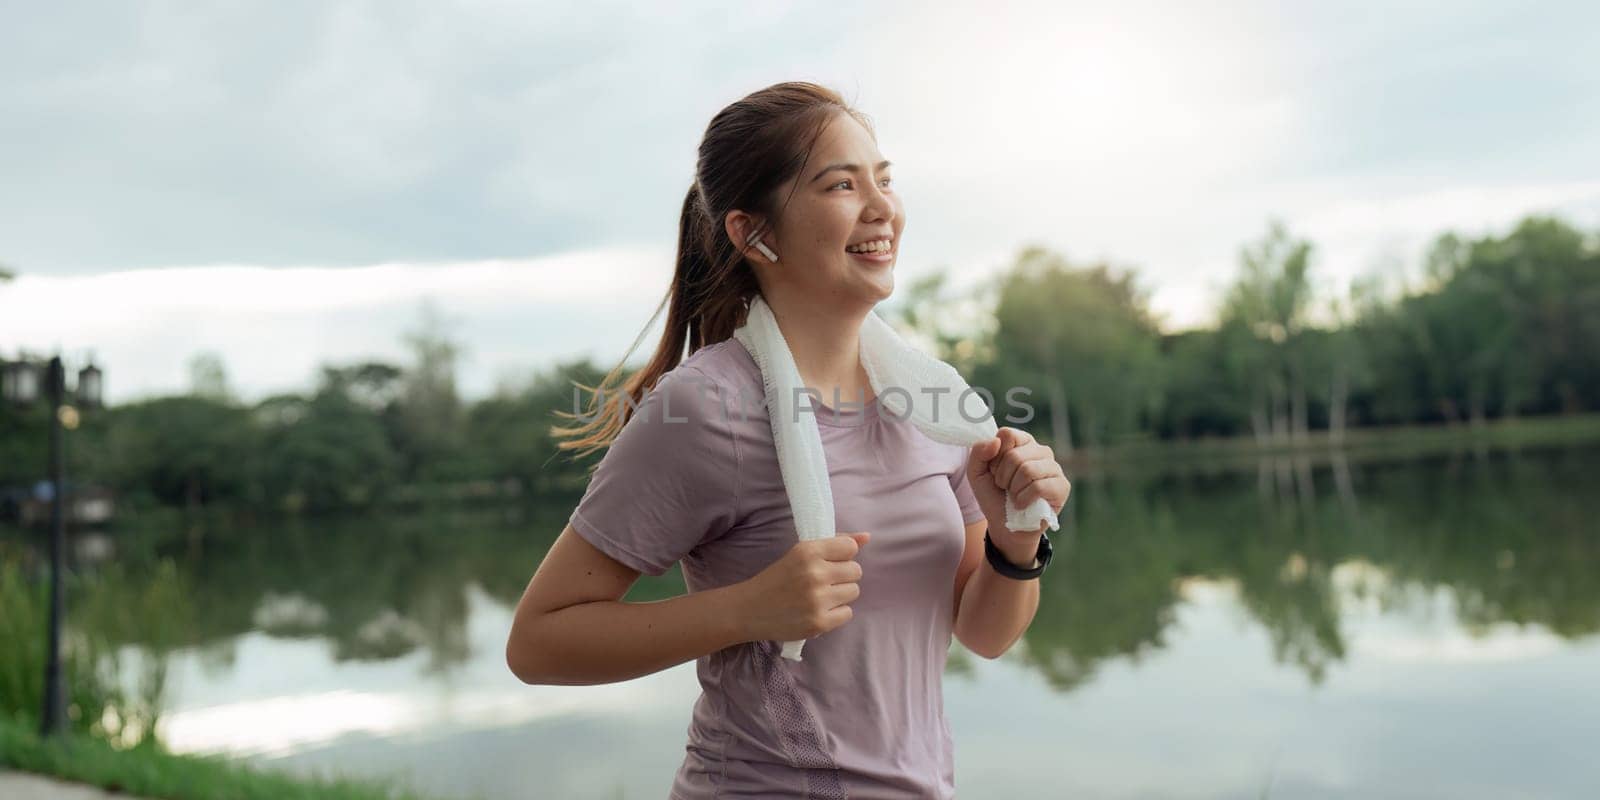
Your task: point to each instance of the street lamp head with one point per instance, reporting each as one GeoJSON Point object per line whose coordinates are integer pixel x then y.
{"type": "Point", "coordinates": [89, 387]}
{"type": "Point", "coordinates": [19, 382]}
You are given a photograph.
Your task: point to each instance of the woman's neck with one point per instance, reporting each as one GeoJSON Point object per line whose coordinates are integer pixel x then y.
{"type": "Point", "coordinates": [826, 344]}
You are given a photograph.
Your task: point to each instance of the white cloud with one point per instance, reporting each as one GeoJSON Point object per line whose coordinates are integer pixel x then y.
{"type": "Point", "coordinates": [274, 326]}
{"type": "Point", "coordinates": [371, 139]}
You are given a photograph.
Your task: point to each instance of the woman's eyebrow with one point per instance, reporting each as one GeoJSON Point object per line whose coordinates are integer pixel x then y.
{"type": "Point", "coordinates": [882, 165]}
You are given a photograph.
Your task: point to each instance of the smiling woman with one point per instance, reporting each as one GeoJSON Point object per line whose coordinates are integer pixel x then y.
{"type": "Point", "coordinates": [792, 203]}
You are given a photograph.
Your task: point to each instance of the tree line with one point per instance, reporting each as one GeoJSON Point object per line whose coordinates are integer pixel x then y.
{"type": "Point", "coordinates": [366, 433]}
{"type": "Point", "coordinates": [1497, 327]}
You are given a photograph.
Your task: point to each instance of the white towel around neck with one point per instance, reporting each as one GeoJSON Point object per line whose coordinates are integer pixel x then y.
{"type": "Point", "coordinates": [903, 379]}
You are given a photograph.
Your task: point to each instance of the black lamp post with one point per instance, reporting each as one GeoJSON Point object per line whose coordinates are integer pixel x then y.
{"type": "Point", "coordinates": [19, 380]}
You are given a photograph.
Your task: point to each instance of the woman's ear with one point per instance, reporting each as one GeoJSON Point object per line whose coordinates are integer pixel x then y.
{"type": "Point", "coordinates": [741, 228]}
{"type": "Point", "coordinates": [762, 246]}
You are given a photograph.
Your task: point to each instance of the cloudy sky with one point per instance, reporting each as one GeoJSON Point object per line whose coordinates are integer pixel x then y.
{"type": "Point", "coordinates": [284, 184]}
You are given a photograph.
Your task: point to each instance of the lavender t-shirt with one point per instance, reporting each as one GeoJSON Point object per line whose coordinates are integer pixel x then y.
{"type": "Point", "coordinates": [693, 477]}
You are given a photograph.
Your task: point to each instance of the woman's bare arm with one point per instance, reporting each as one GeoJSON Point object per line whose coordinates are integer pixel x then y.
{"type": "Point", "coordinates": [572, 628]}
{"type": "Point", "coordinates": [992, 611]}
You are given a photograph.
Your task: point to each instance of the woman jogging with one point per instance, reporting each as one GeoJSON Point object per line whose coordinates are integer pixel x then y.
{"type": "Point", "coordinates": [791, 201]}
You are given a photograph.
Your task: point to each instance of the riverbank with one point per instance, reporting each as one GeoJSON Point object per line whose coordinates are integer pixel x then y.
{"type": "Point", "coordinates": [1357, 444]}
{"type": "Point", "coordinates": [91, 767]}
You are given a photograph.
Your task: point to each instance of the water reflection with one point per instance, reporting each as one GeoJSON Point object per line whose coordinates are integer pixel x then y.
{"type": "Point", "coordinates": [377, 645]}
{"type": "Point", "coordinates": [1504, 534]}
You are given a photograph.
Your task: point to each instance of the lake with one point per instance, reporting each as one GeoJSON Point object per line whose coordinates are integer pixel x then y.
{"type": "Point", "coordinates": [1420, 628]}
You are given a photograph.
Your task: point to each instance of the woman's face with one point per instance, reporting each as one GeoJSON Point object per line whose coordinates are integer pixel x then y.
{"type": "Point", "coordinates": [843, 196]}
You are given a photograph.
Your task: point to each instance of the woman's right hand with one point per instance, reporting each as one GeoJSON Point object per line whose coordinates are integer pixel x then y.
{"type": "Point", "coordinates": [805, 593]}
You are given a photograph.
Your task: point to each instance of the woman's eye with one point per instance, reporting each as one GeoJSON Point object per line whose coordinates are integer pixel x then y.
{"type": "Point", "coordinates": [847, 180]}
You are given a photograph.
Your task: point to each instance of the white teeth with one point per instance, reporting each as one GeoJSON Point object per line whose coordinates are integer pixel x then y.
{"type": "Point", "coordinates": [879, 246]}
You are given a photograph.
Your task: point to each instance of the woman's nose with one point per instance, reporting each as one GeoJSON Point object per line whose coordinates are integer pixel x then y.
{"type": "Point", "coordinates": [879, 205]}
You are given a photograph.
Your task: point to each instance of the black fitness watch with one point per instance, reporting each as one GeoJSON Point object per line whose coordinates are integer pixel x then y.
{"type": "Point", "coordinates": [998, 560]}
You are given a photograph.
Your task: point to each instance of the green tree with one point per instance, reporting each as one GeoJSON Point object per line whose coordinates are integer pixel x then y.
{"type": "Point", "coordinates": [373, 385]}
{"type": "Point", "coordinates": [510, 430]}
{"type": "Point", "coordinates": [189, 451]}
{"type": "Point", "coordinates": [1203, 370]}
{"type": "Point", "coordinates": [429, 420]}
{"type": "Point", "coordinates": [959, 326]}
{"type": "Point", "coordinates": [1085, 338]}
{"type": "Point", "coordinates": [1543, 281]}
{"type": "Point", "coordinates": [208, 377]}
{"type": "Point", "coordinates": [1500, 323]}
{"type": "Point", "coordinates": [1347, 366]}
{"type": "Point", "coordinates": [324, 453]}
{"type": "Point", "coordinates": [1270, 298]}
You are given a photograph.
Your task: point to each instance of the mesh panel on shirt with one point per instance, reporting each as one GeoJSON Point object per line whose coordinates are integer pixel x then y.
{"type": "Point", "coordinates": [797, 727]}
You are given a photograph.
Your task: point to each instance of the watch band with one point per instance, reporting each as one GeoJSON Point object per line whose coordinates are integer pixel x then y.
{"type": "Point", "coordinates": [998, 560]}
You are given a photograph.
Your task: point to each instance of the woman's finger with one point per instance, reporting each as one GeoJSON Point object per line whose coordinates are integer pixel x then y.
{"type": "Point", "coordinates": [1027, 476]}
{"type": "Point", "coordinates": [1016, 437]}
{"type": "Point", "coordinates": [1054, 488]}
{"type": "Point", "coordinates": [983, 453]}
{"type": "Point", "coordinates": [1011, 461]}
{"type": "Point", "coordinates": [842, 593]}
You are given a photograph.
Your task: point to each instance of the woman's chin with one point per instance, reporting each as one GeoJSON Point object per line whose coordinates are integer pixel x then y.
{"type": "Point", "coordinates": [884, 283]}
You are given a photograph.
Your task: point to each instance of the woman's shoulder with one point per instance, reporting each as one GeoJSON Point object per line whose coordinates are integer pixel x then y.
{"type": "Point", "coordinates": [725, 372]}
{"type": "Point", "coordinates": [702, 389]}
{"type": "Point", "coordinates": [726, 362]}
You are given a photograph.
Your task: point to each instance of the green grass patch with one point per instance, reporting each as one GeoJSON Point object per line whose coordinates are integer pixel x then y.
{"type": "Point", "coordinates": [147, 771]}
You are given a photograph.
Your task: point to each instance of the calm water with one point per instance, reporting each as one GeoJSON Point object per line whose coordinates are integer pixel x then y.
{"type": "Point", "coordinates": [1417, 629]}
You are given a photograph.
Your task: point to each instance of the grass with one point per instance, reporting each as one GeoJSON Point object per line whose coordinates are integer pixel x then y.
{"type": "Point", "coordinates": [87, 665]}
{"type": "Point", "coordinates": [148, 771]}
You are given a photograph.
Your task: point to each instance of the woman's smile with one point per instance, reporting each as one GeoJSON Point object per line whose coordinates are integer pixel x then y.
{"type": "Point", "coordinates": [885, 257]}
{"type": "Point", "coordinates": [878, 251]}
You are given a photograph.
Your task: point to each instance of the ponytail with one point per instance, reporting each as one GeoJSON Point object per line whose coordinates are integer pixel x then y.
{"type": "Point", "coordinates": [750, 149]}
{"type": "Point", "coordinates": [700, 309]}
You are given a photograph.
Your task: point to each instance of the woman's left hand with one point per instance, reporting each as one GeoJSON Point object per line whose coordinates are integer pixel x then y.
{"type": "Point", "coordinates": [1014, 463]}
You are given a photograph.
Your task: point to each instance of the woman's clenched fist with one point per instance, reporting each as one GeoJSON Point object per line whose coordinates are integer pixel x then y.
{"type": "Point", "coordinates": [805, 593]}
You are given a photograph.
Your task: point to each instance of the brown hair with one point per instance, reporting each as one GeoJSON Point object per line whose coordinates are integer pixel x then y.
{"type": "Point", "coordinates": [749, 150]}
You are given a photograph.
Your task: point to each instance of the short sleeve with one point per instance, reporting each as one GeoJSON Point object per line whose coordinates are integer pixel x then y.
{"type": "Point", "coordinates": [668, 482]}
{"type": "Point", "coordinates": [970, 510]}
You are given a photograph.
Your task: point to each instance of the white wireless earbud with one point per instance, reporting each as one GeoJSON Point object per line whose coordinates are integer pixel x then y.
{"type": "Point", "coordinates": [755, 239]}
